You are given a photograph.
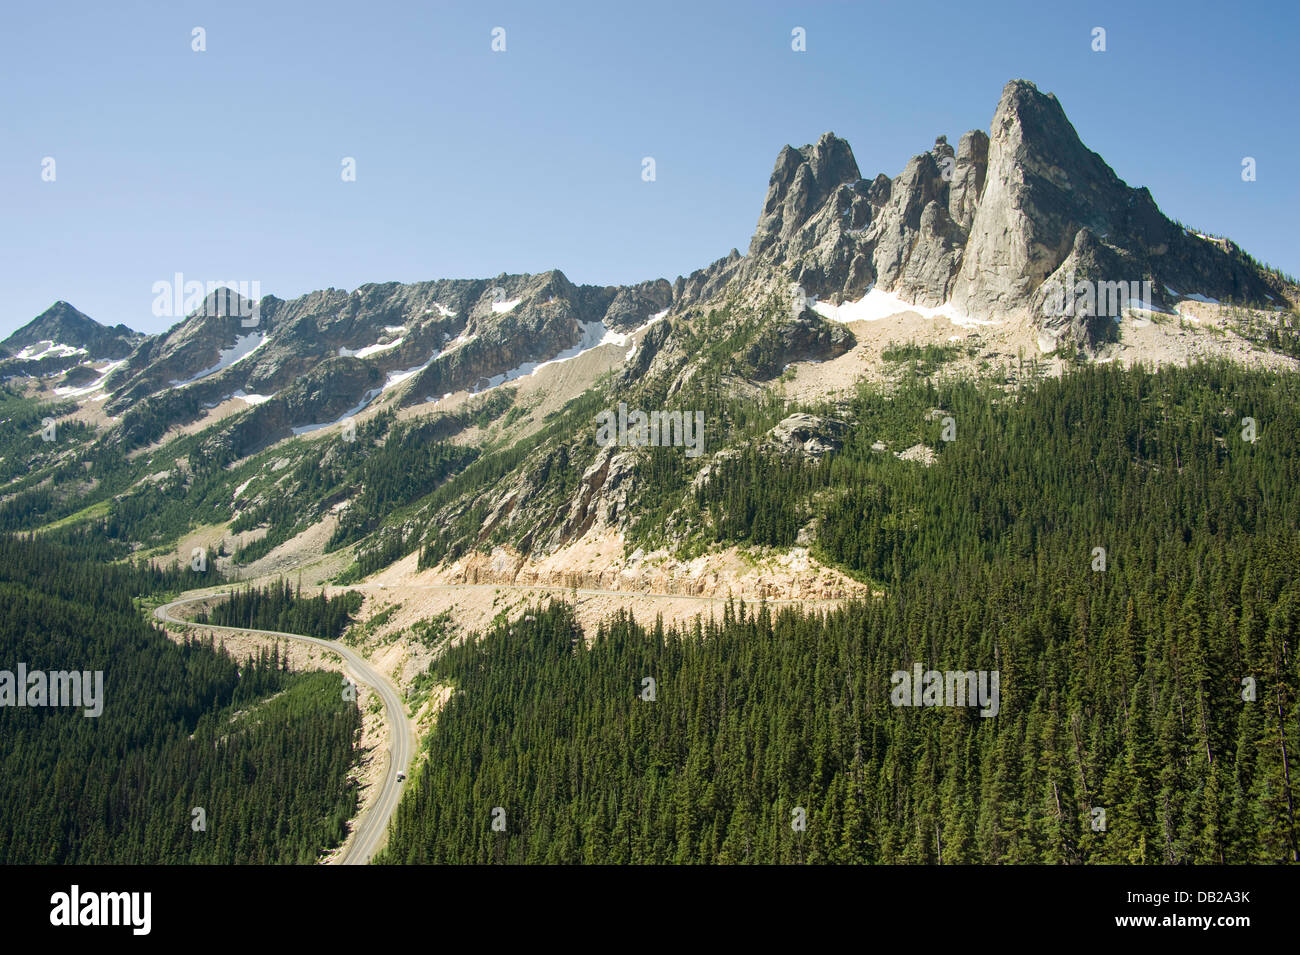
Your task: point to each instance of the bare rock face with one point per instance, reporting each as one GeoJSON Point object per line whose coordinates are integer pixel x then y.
{"type": "Point", "coordinates": [1070, 317]}
{"type": "Point", "coordinates": [898, 228]}
{"type": "Point", "coordinates": [801, 182]}
{"type": "Point", "coordinates": [811, 435]}
{"type": "Point", "coordinates": [633, 304]}
{"type": "Point", "coordinates": [985, 226]}
{"type": "Point", "coordinates": [601, 499]}
{"type": "Point", "coordinates": [703, 284]}
{"type": "Point", "coordinates": [1043, 186]}
{"type": "Point", "coordinates": [806, 337]}
{"type": "Point", "coordinates": [968, 173]}
{"type": "Point", "coordinates": [936, 253]}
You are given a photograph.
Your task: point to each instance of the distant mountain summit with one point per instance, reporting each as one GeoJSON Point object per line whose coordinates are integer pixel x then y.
{"type": "Point", "coordinates": [63, 325]}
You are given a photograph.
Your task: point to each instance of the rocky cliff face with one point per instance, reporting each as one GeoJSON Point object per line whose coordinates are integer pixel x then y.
{"type": "Point", "coordinates": [994, 227]}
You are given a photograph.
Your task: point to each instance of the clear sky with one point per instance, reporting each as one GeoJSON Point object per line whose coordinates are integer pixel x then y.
{"type": "Point", "coordinates": [225, 164]}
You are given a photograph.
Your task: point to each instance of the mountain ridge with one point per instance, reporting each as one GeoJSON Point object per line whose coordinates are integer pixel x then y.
{"type": "Point", "coordinates": [971, 239]}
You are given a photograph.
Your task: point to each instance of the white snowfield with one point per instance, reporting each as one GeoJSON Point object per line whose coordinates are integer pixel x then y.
{"type": "Point", "coordinates": [500, 307]}
{"type": "Point", "coordinates": [251, 399]}
{"type": "Point", "coordinates": [1194, 297]}
{"type": "Point", "coordinates": [878, 304]}
{"type": "Point", "coordinates": [49, 349]}
{"type": "Point", "coordinates": [244, 346]}
{"type": "Point", "coordinates": [376, 349]}
{"type": "Point", "coordinates": [95, 386]}
{"type": "Point", "coordinates": [397, 377]}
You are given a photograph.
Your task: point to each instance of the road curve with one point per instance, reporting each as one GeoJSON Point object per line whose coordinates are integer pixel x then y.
{"type": "Point", "coordinates": [372, 823]}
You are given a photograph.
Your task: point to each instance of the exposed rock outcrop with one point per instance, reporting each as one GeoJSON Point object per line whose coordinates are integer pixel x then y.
{"type": "Point", "coordinates": [807, 434]}
{"type": "Point", "coordinates": [983, 227]}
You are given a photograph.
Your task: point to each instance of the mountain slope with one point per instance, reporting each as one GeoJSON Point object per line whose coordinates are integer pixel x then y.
{"type": "Point", "coordinates": [241, 419]}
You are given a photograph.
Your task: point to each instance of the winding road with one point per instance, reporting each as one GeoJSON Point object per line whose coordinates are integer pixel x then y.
{"type": "Point", "coordinates": [372, 823]}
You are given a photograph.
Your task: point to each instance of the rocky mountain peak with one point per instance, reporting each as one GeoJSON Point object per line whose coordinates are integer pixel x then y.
{"type": "Point", "coordinates": [66, 325]}
{"type": "Point", "coordinates": [801, 182]}
{"type": "Point", "coordinates": [71, 337]}
{"type": "Point", "coordinates": [986, 227]}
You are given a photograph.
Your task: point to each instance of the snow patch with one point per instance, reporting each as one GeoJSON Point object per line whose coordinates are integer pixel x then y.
{"type": "Point", "coordinates": [48, 349]}
{"type": "Point", "coordinates": [244, 346]}
{"type": "Point", "coordinates": [376, 349]}
{"type": "Point", "coordinates": [878, 304]}
{"type": "Point", "coordinates": [500, 307]}
{"type": "Point", "coordinates": [395, 378]}
{"type": "Point", "coordinates": [656, 317]}
{"type": "Point", "coordinates": [251, 399]}
{"type": "Point", "coordinates": [95, 385]}
{"type": "Point", "coordinates": [594, 334]}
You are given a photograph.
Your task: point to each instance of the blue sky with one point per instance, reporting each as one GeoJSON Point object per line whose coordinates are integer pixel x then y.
{"type": "Point", "coordinates": [226, 164]}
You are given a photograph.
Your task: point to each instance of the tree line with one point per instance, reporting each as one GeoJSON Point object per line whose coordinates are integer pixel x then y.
{"type": "Point", "coordinates": [1112, 543]}
{"type": "Point", "coordinates": [196, 757]}
{"type": "Point", "coordinates": [281, 607]}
